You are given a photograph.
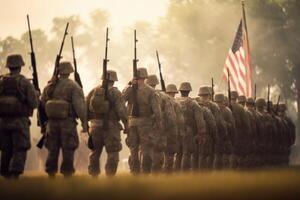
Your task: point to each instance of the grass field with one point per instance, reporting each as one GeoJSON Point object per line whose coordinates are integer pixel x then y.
{"type": "Point", "coordinates": [268, 184]}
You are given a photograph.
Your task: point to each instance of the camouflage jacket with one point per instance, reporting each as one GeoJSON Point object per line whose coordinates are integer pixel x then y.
{"type": "Point", "coordinates": [117, 106]}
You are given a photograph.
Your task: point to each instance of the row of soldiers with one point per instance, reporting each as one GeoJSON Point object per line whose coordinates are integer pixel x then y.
{"type": "Point", "coordinates": [170, 134]}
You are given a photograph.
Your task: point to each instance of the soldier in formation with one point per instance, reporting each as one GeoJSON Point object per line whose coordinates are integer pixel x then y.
{"type": "Point", "coordinates": [169, 134]}
{"type": "Point", "coordinates": [18, 99]}
{"type": "Point", "coordinates": [63, 101]}
{"type": "Point", "coordinates": [108, 137]}
{"type": "Point", "coordinates": [145, 129]}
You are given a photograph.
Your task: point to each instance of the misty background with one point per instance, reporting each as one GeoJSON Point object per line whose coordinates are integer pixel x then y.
{"type": "Point", "coordinates": [192, 37]}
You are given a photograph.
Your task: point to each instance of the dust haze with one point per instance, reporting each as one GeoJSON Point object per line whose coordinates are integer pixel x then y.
{"type": "Point", "coordinates": [192, 39]}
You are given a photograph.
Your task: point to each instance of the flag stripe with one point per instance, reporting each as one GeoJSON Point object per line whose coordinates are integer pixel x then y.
{"type": "Point", "coordinates": [238, 63]}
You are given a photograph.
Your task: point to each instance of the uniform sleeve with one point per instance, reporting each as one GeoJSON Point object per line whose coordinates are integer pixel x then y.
{"type": "Point", "coordinates": [87, 102]}
{"type": "Point", "coordinates": [232, 130]}
{"type": "Point", "coordinates": [211, 123]}
{"type": "Point", "coordinates": [199, 119]}
{"type": "Point", "coordinates": [79, 104]}
{"type": "Point", "coordinates": [119, 106]}
{"type": "Point", "coordinates": [170, 114]}
{"type": "Point", "coordinates": [126, 93]}
{"type": "Point", "coordinates": [31, 96]}
{"type": "Point", "coordinates": [156, 109]}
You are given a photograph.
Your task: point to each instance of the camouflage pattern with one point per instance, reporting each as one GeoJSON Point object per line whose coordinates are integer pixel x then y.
{"type": "Point", "coordinates": [143, 130]}
{"type": "Point", "coordinates": [221, 133]}
{"type": "Point", "coordinates": [231, 130]}
{"type": "Point", "coordinates": [240, 142]}
{"type": "Point", "coordinates": [14, 131]}
{"type": "Point", "coordinates": [111, 138]}
{"type": "Point", "coordinates": [62, 133]}
{"type": "Point", "coordinates": [289, 136]}
{"type": "Point", "coordinates": [253, 137]}
{"type": "Point", "coordinates": [169, 131]}
{"type": "Point", "coordinates": [194, 134]}
{"type": "Point", "coordinates": [180, 133]}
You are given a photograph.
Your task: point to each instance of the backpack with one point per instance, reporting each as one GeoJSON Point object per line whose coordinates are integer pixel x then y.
{"type": "Point", "coordinates": [98, 104]}
{"type": "Point", "coordinates": [12, 100]}
{"type": "Point", "coordinates": [56, 108]}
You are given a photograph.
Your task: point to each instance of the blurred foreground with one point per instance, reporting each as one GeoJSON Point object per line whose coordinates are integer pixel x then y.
{"type": "Point", "coordinates": [267, 184]}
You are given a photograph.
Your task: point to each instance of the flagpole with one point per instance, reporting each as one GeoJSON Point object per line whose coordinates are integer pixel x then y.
{"type": "Point", "coordinates": [244, 21]}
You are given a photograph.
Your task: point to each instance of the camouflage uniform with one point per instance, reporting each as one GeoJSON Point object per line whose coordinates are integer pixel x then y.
{"type": "Point", "coordinates": [14, 129]}
{"type": "Point", "coordinates": [240, 142]}
{"type": "Point", "coordinates": [166, 145]}
{"type": "Point", "coordinates": [61, 132]}
{"type": "Point", "coordinates": [231, 130]}
{"type": "Point", "coordinates": [174, 139]}
{"type": "Point", "coordinates": [253, 139]}
{"type": "Point", "coordinates": [144, 129]}
{"type": "Point", "coordinates": [221, 133]}
{"type": "Point", "coordinates": [110, 138]}
{"type": "Point", "coordinates": [195, 135]}
{"type": "Point", "coordinates": [289, 136]}
{"type": "Point", "coordinates": [266, 130]}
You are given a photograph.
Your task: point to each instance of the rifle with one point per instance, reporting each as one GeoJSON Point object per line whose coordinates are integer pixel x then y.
{"type": "Point", "coordinates": [212, 89]}
{"type": "Point", "coordinates": [229, 89]}
{"type": "Point", "coordinates": [54, 78]}
{"type": "Point", "coordinates": [41, 116]}
{"type": "Point", "coordinates": [277, 105]}
{"type": "Point", "coordinates": [135, 107]}
{"type": "Point", "coordinates": [58, 56]}
{"type": "Point", "coordinates": [76, 74]}
{"type": "Point", "coordinates": [105, 80]}
{"type": "Point", "coordinates": [162, 82]}
{"type": "Point", "coordinates": [268, 105]}
{"type": "Point", "coordinates": [254, 91]}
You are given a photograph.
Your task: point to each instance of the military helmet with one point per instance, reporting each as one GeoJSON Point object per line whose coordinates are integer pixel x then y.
{"type": "Point", "coordinates": [65, 68]}
{"type": "Point", "coordinates": [14, 61]}
{"type": "Point", "coordinates": [234, 95]}
{"type": "Point", "coordinates": [260, 102]}
{"type": "Point", "coordinates": [219, 97]}
{"type": "Point", "coordinates": [250, 101]}
{"type": "Point", "coordinates": [142, 73]}
{"type": "Point", "coordinates": [204, 90]}
{"type": "Point", "coordinates": [185, 86]}
{"type": "Point", "coordinates": [282, 107]}
{"type": "Point", "coordinates": [242, 99]}
{"type": "Point", "coordinates": [152, 80]}
{"type": "Point", "coordinates": [171, 88]}
{"type": "Point", "coordinates": [111, 75]}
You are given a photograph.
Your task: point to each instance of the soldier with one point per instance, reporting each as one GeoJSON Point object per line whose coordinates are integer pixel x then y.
{"type": "Point", "coordinates": [204, 100]}
{"type": "Point", "coordinates": [289, 137]}
{"type": "Point", "coordinates": [18, 99]}
{"type": "Point", "coordinates": [253, 140]}
{"type": "Point", "coordinates": [110, 139]}
{"type": "Point", "coordinates": [241, 147]}
{"type": "Point", "coordinates": [171, 90]}
{"type": "Point", "coordinates": [230, 126]}
{"type": "Point", "coordinates": [143, 129]}
{"type": "Point", "coordinates": [242, 100]}
{"type": "Point", "coordinates": [167, 143]}
{"type": "Point", "coordinates": [63, 101]}
{"type": "Point", "coordinates": [279, 131]}
{"type": "Point", "coordinates": [266, 130]}
{"type": "Point", "coordinates": [195, 129]}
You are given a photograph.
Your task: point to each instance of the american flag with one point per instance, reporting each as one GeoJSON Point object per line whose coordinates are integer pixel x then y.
{"type": "Point", "coordinates": [238, 63]}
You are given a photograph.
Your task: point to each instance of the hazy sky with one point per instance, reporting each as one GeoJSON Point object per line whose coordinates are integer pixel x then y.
{"type": "Point", "coordinates": [122, 12]}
